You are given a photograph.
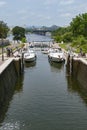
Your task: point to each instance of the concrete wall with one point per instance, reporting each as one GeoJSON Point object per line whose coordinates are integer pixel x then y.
{"type": "Point", "coordinates": [78, 69]}
{"type": "Point", "coordinates": [9, 72]}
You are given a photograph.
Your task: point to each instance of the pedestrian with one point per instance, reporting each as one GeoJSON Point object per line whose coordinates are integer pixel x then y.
{"type": "Point", "coordinates": [8, 52]}
{"type": "Point", "coordinates": [81, 52]}
{"type": "Point", "coordinates": [11, 51]}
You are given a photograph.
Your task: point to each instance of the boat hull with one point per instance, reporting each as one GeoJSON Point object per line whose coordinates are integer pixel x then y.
{"type": "Point", "coordinates": [30, 59]}
{"type": "Point", "coordinates": [55, 59]}
{"type": "Point", "coordinates": [56, 56]}
{"type": "Point", "coordinates": [29, 56]}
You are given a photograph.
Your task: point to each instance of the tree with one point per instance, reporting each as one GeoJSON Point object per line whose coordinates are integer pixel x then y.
{"type": "Point", "coordinates": [23, 40]}
{"type": "Point", "coordinates": [79, 25]}
{"type": "Point", "coordinates": [18, 33]}
{"type": "Point", "coordinates": [62, 34]}
{"type": "Point", "coordinates": [67, 37]}
{"type": "Point", "coordinates": [3, 29]}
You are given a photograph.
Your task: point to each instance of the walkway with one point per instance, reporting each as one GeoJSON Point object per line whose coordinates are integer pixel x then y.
{"type": "Point", "coordinates": [5, 58]}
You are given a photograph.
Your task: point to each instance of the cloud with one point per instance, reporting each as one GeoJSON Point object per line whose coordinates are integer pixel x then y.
{"type": "Point", "coordinates": [68, 2]}
{"type": "Point", "coordinates": [48, 18]}
{"type": "Point", "coordinates": [50, 2]}
{"type": "Point", "coordinates": [66, 15]}
{"type": "Point", "coordinates": [43, 17]}
{"type": "Point", "coordinates": [22, 11]}
{"type": "Point", "coordinates": [2, 3]}
{"type": "Point", "coordinates": [41, 11]}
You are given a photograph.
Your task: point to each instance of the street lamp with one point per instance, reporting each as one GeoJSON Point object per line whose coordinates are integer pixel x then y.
{"type": "Point", "coordinates": [2, 51]}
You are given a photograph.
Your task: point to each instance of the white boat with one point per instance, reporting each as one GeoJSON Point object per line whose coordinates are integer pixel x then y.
{"type": "Point", "coordinates": [44, 50]}
{"type": "Point", "coordinates": [56, 55]}
{"type": "Point", "coordinates": [29, 56]}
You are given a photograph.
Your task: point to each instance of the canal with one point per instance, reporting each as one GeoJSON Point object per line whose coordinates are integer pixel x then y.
{"type": "Point", "coordinates": [46, 98]}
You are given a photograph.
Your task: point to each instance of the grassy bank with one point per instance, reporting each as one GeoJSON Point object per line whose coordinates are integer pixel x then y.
{"type": "Point", "coordinates": [75, 47]}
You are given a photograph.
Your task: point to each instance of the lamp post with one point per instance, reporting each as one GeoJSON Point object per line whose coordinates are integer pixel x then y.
{"type": "Point", "coordinates": [2, 51]}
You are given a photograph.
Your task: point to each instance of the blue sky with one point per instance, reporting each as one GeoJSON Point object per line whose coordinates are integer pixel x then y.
{"type": "Point", "coordinates": [40, 12]}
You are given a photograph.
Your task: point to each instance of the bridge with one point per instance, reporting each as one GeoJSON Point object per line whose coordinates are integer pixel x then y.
{"type": "Point", "coordinates": [42, 31]}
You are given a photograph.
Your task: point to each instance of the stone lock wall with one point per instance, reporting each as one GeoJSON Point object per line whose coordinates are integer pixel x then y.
{"type": "Point", "coordinates": [78, 69]}
{"type": "Point", "coordinates": [79, 72]}
{"type": "Point", "coordinates": [9, 73]}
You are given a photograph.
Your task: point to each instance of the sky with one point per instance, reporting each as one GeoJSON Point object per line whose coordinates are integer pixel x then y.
{"type": "Point", "coordinates": [40, 12]}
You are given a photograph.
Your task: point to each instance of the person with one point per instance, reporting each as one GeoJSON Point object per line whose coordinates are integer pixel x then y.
{"type": "Point", "coordinates": [11, 51]}
{"type": "Point", "coordinates": [81, 51]}
{"type": "Point", "coordinates": [8, 52]}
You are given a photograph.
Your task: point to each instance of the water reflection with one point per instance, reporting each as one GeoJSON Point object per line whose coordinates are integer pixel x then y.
{"type": "Point", "coordinates": [56, 67]}
{"type": "Point", "coordinates": [19, 84]}
{"type": "Point", "coordinates": [4, 106]}
{"type": "Point", "coordinates": [75, 87]}
{"type": "Point", "coordinates": [4, 109]}
{"type": "Point", "coordinates": [31, 64]}
{"type": "Point", "coordinates": [35, 37]}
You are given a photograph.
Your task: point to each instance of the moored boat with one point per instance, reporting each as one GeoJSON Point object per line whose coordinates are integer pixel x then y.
{"type": "Point", "coordinates": [29, 56]}
{"type": "Point", "coordinates": [56, 55]}
{"type": "Point", "coordinates": [44, 50]}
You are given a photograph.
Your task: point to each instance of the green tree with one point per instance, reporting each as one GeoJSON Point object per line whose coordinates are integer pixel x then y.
{"type": "Point", "coordinates": [3, 29]}
{"type": "Point", "coordinates": [62, 34]}
{"type": "Point", "coordinates": [23, 40]}
{"type": "Point", "coordinates": [79, 25]}
{"type": "Point", "coordinates": [67, 37]}
{"type": "Point", "coordinates": [18, 33]}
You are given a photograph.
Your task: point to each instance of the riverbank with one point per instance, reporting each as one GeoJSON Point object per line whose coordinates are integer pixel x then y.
{"type": "Point", "coordinates": [14, 47]}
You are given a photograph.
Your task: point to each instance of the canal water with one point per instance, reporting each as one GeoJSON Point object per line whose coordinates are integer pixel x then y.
{"type": "Point", "coordinates": [38, 38]}
{"type": "Point", "coordinates": [46, 98]}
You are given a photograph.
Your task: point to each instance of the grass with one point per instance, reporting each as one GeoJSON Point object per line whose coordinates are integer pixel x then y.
{"type": "Point", "coordinates": [75, 47]}
{"type": "Point", "coordinates": [65, 46]}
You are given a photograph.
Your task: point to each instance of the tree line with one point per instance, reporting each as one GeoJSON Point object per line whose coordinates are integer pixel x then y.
{"type": "Point", "coordinates": [17, 32]}
{"type": "Point", "coordinates": [75, 33]}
